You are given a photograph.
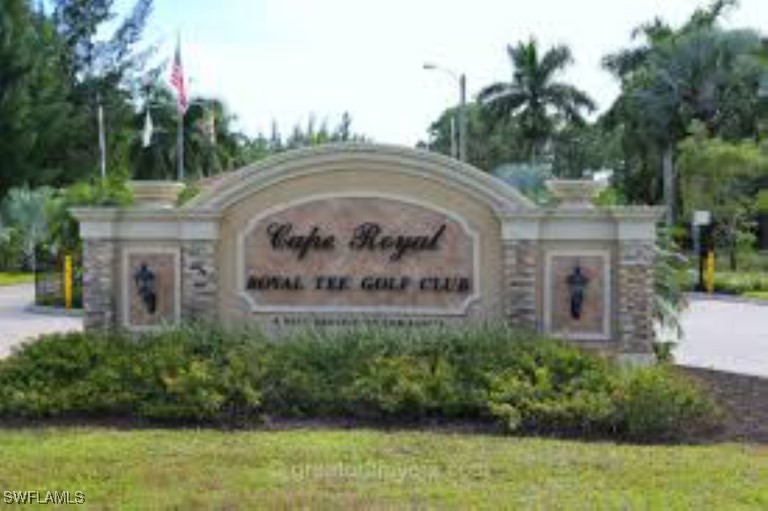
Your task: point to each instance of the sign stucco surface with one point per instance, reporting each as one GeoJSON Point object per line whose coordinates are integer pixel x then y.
{"type": "Point", "coordinates": [358, 253]}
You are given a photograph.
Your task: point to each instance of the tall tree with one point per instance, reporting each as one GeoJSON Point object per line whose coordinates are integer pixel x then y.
{"type": "Point", "coordinates": [211, 145]}
{"type": "Point", "coordinates": [579, 149]}
{"type": "Point", "coordinates": [697, 72]}
{"type": "Point", "coordinates": [103, 70]}
{"type": "Point", "coordinates": [33, 108]}
{"type": "Point", "coordinates": [491, 141]}
{"type": "Point", "coordinates": [16, 63]}
{"type": "Point", "coordinates": [25, 211]}
{"type": "Point", "coordinates": [534, 97]}
{"type": "Point", "coordinates": [262, 146]}
{"type": "Point", "coordinates": [724, 178]}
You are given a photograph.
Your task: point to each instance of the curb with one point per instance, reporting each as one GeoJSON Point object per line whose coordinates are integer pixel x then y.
{"type": "Point", "coordinates": [723, 372]}
{"type": "Point", "coordinates": [719, 297]}
{"type": "Point", "coordinates": [53, 311]}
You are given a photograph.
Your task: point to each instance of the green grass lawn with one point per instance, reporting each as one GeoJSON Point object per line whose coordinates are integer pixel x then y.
{"type": "Point", "coordinates": [364, 469]}
{"type": "Point", "coordinates": [10, 279]}
{"type": "Point", "coordinates": [758, 295]}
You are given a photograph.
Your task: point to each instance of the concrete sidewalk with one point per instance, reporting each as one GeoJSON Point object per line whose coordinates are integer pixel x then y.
{"type": "Point", "coordinates": [17, 323]}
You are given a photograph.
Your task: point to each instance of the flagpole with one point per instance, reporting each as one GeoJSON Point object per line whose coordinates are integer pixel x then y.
{"type": "Point", "coordinates": [177, 80]}
{"type": "Point", "coordinates": [102, 138]}
{"type": "Point", "coordinates": [180, 142]}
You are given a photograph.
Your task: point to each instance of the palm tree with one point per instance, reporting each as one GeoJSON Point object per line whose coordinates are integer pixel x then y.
{"type": "Point", "coordinates": [25, 210]}
{"type": "Point", "coordinates": [211, 145]}
{"type": "Point", "coordinates": [534, 97]}
{"type": "Point", "coordinates": [696, 72]}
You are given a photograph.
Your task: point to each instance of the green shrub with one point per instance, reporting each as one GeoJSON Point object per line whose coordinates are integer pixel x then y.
{"type": "Point", "coordinates": [537, 402]}
{"type": "Point", "coordinates": [761, 201]}
{"type": "Point", "coordinates": [189, 192]}
{"type": "Point", "coordinates": [196, 374]}
{"type": "Point", "coordinates": [393, 385]}
{"type": "Point", "coordinates": [750, 261]}
{"type": "Point", "coordinates": [208, 375]}
{"type": "Point", "coordinates": [739, 283]}
{"type": "Point", "coordinates": [174, 375]}
{"type": "Point", "coordinates": [657, 403]}
{"type": "Point", "coordinates": [664, 351]}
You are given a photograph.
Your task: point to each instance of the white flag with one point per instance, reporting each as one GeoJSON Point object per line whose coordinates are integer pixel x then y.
{"type": "Point", "coordinates": [146, 136]}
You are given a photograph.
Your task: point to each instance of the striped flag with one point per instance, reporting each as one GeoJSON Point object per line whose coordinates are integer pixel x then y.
{"type": "Point", "coordinates": [178, 82]}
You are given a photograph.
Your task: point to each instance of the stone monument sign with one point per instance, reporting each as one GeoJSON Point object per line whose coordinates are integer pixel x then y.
{"type": "Point", "coordinates": [358, 233]}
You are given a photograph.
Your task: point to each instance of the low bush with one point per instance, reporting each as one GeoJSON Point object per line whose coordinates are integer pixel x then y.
{"type": "Point", "coordinates": [207, 375]}
{"type": "Point", "coordinates": [740, 283]}
{"type": "Point", "coordinates": [750, 261]}
{"type": "Point", "coordinates": [185, 374]}
{"type": "Point", "coordinates": [659, 404]}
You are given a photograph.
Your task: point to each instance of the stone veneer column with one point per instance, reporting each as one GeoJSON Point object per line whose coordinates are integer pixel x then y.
{"type": "Point", "coordinates": [635, 296]}
{"type": "Point", "coordinates": [99, 284]}
{"type": "Point", "coordinates": [520, 272]}
{"type": "Point", "coordinates": [199, 281]}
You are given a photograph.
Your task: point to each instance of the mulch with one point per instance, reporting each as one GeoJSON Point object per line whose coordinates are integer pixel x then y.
{"type": "Point", "coordinates": [744, 399]}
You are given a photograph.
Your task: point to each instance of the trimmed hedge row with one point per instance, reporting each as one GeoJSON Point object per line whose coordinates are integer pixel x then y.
{"type": "Point", "coordinates": [205, 375]}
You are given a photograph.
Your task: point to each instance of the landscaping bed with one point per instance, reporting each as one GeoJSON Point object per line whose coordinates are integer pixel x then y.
{"type": "Point", "coordinates": [749, 281]}
{"type": "Point", "coordinates": [741, 283]}
{"type": "Point", "coordinates": [744, 399]}
{"type": "Point", "coordinates": [371, 420]}
{"type": "Point", "coordinates": [520, 382]}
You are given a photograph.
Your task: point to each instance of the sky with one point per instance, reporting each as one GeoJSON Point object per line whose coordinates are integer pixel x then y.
{"type": "Point", "coordinates": [285, 60]}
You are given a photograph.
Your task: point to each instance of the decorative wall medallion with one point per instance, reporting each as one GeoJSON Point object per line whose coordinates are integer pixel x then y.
{"type": "Point", "coordinates": [577, 285]}
{"type": "Point", "coordinates": [151, 288]}
{"type": "Point", "coordinates": [577, 294]}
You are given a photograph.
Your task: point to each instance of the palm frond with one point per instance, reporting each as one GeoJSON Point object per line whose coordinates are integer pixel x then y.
{"type": "Point", "coordinates": [563, 96]}
{"type": "Point", "coordinates": [493, 91]}
{"type": "Point", "coordinates": [623, 63]}
{"type": "Point", "coordinates": [554, 60]}
{"type": "Point", "coordinates": [502, 99]}
{"type": "Point", "coordinates": [654, 31]}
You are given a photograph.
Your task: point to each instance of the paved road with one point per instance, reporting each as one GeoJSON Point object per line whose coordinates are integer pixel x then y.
{"type": "Point", "coordinates": [729, 336]}
{"type": "Point", "coordinates": [17, 324]}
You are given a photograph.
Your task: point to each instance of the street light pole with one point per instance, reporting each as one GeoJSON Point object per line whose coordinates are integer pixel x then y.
{"type": "Point", "coordinates": [462, 113]}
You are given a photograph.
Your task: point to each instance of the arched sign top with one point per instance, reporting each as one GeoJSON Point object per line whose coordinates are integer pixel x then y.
{"type": "Point", "coordinates": [361, 157]}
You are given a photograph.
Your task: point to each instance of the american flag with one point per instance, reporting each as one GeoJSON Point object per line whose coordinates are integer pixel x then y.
{"type": "Point", "coordinates": [177, 81]}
